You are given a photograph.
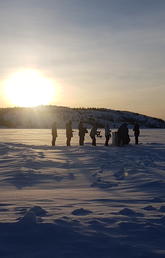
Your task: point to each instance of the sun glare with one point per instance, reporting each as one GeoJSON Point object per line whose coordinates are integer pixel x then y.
{"type": "Point", "coordinates": [29, 88]}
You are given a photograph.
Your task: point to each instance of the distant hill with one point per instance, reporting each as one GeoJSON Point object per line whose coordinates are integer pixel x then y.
{"type": "Point", "coordinates": [44, 116]}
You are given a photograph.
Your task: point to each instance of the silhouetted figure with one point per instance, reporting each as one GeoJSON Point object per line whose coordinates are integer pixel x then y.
{"type": "Point", "coordinates": [93, 134]}
{"type": "Point", "coordinates": [54, 133]}
{"type": "Point", "coordinates": [69, 132]}
{"type": "Point", "coordinates": [123, 136]}
{"type": "Point", "coordinates": [107, 134]}
{"type": "Point", "coordinates": [82, 132]}
{"type": "Point", "coordinates": [136, 132]}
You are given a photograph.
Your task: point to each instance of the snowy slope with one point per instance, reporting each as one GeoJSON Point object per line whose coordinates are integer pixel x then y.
{"type": "Point", "coordinates": [81, 201]}
{"type": "Point", "coordinates": [44, 116]}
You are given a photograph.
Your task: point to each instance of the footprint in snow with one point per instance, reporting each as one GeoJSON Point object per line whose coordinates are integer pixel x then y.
{"type": "Point", "coordinates": [103, 184]}
{"type": "Point", "coordinates": [156, 199]}
{"type": "Point", "coordinates": [149, 208]}
{"type": "Point", "coordinates": [162, 208]}
{"type": "Point", "coordinates": [130, 212]}
{"type": "Point", "coordinates": [81, 212]}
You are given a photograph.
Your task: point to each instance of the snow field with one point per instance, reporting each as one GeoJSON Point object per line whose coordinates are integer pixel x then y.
{"type": "Point", "coordinates": [81, 201]}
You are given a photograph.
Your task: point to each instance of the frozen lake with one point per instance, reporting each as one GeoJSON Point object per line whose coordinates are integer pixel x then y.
{"type": "Point", "coordinates": [81, 201]}
{"type": "Point", "coordinates": [43, 136]}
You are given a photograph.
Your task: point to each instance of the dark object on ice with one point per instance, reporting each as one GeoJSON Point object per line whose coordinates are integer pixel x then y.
{"type": "Point", "coordinates": [82, 132]}
{"type": "Point", "coordinates": [136, 132]}
{"type": "Point", "coordinates": [69, 132]}
{"type": "Point", "coordinates": [93, 134]}
{"type": "Point", "coordinates": [123, 136]}
{"type": "Point", "coordinates": [54, 133]}
{"type": "Point", "coordinates": [107, 134]}
{"type": "Point", "coordinates": [81, 212]}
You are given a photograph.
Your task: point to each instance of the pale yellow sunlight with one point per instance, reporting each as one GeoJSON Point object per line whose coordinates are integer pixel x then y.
{"type": "Point", "coordinates": [28, 88]}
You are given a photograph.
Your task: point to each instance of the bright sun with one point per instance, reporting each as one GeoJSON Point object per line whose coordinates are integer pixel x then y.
{"type": "Point", "coordinates": [28, 88]}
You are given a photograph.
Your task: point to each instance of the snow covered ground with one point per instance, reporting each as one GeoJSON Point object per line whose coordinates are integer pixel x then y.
{"type": "Point", "coordinates": [81, 201]}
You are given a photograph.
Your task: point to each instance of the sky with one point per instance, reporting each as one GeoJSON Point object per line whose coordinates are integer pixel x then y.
{"type": "Point", "coordinates": [108, 53]}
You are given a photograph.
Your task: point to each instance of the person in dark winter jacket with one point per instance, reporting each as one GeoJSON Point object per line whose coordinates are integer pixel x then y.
{"type": "Point", "coordinates": [136, 132]}
{"type": "Point", "coordinates": [69, 132]}
{"type": "Point", "coordinates": [93, 134]}
{"type": "Point", "coordinates": [54, 133]}
{"type": "Point", "coordinates": [82, 132]}
{"type": "Point", "coordinates": [107, 134]}
{"type": "Point", "coordinates": [123, 136]}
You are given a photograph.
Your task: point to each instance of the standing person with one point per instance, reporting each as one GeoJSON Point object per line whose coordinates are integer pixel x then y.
{"type": "Point", "coordinates": [123, 135]}
{"type": "Point", "coordinates": [136, 132]}
{"type": "Point", "coordinates": [69, 132]}
{"type": "Point", "coordinates": [107, 134]}
{"type": "Point", "coordinates": [82, 132]}
{"type": "Point", "coordinates": [93, 134]}
{"type": "Point", "coordinates": [54, 133]}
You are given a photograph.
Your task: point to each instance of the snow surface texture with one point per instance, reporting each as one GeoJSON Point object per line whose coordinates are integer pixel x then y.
{"type": "Point", "coordinates": [70, 202]}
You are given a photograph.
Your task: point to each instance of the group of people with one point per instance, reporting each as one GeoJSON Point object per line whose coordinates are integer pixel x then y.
{"type": "Point", "coordinates": [69, 133]}
{"type": "Point", "coordinates": [122, 133]}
